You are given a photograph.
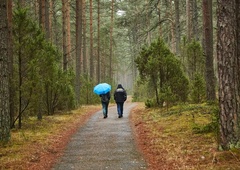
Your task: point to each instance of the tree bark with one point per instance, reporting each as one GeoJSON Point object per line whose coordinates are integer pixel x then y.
{"type": "Point", "coordinates": [238, 46]}
{"type": "Point", "coordinates": [173, 32]}
{"type": "Point", "coordinates": [111, 41]}
{"type": "Point", "coordinates": [208, 48]}
{"type": "Point", "coordinates": [148, 22]}
{"type": "Point", "coordinates": [42, 13]}
{"type": "Point", "coordinates": [177, 27]}
{"type": "Point", "coordinates": [91, 42]}
{"type": "Point", "coordinates": [159, 18]}
{"type": "Point", "coordinates": [66, 34]}
{"type": "Point", "coordinates": [78, 48]}
{"type": "Point", "coordinates": [55, 34]}
{"type": "Point", "coordinates": [51, 20]}
{"type": "Point", "coordinates": [195, 23]}
{"type": "Point", "coordinates": [47, 19]}
{"type": "Point", "coordinates": [228, 73]}
{"type": "Point", "coordinates": [189, 20]}
{"type": "Point", "coordinates": [98, 41]}
{"type": "Point", "coordinates": [4, 75]}
{"type": "Point", "coordinates": [10, 55]}
{"type": "Point", "coordinates": [84, 38]}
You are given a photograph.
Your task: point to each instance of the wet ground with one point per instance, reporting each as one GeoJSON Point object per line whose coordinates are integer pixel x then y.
{"type": "Point", "coordinates": [103, 144]}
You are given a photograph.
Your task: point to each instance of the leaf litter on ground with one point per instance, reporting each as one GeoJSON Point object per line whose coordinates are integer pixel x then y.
{"type": "Point", "coordinates": [39, 143]}
{"type": "Point", "coordinates": [176, 138]}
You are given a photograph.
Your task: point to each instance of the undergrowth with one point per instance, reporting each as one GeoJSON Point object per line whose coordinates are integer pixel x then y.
{"type": "Point", "coordinates": [37, 133]}
{"type": "Point", "coordinates": [185, 137]}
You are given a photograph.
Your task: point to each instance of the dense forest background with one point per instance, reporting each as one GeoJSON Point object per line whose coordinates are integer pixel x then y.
{"type": "Point", "coordinates": [164, 52]}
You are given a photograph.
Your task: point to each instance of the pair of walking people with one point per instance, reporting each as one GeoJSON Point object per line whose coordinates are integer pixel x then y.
{"type": "Point", "coordinates": [120, 96]}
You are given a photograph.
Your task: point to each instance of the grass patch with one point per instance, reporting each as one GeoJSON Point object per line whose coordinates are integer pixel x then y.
{"type": "Point", "coordinates": [36, 136]}
{"type": "Point", "coordinates": [182, 137]}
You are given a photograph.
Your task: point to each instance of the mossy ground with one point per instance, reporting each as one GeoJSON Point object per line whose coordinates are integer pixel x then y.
{"type": "Point", "coordinates": [170, 138]}
{"type": "Point", "coordinates": [177, 138]}
{"type": "Point", "coordinates": [38, 143]}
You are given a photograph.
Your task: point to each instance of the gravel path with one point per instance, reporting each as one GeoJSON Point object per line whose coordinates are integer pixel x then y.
{"type": "Point", "coordinates": [103, 144]}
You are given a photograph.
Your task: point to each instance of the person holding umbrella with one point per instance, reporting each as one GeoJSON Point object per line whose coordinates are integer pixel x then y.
{"type": "Point", "coordinates": [120, 96]}
{"type": "Point", "coordinates": [103, 90]}
{"type": "Point", "coordinates": [105, 98]}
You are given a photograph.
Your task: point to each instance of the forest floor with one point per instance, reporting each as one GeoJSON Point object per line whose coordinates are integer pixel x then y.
{"type": "Point", "coordinates": [181, 137]}
{"type": "Point", "coordinates": [165, 137]}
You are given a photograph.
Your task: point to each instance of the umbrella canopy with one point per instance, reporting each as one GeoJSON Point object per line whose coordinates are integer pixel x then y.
{"type": "Point", "coordinates": [102, 88]}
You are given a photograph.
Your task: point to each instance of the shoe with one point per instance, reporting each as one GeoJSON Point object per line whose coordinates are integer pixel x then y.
{"type": "Point", "coordinates": [104, 117]}
{"type": "Point", "coordinates": [120, 116]}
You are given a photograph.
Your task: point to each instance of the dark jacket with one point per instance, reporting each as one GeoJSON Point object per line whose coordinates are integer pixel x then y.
{"type": "Point", "coordinates": [120, 95]}
{"type": "Point", "coordinates": [105, 97]}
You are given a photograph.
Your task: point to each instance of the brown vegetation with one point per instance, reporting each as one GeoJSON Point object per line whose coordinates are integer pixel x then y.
{"type": "Point", "coordinates": [39, 147]}
{"type": "Point", "coordinates": [166, 141]}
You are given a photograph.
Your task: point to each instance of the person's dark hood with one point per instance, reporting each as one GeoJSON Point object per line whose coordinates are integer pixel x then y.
{"type": "Point", "coordinates": [119, 86]}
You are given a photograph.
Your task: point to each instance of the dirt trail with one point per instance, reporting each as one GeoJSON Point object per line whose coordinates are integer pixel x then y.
{"type": "Point", "coordinates": [103, 144]}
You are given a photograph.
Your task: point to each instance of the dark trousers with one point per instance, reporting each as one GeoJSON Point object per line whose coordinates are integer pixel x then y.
{"type": "Point", "coordinates": [105, 108]}
{"type": "Point", "coordinates": [120, 108]}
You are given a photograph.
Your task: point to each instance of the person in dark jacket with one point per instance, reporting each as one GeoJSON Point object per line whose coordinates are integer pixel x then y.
{"type": "Point", "coordinates": [120, 96]}
{"type": "Point", "coordinates": [105, 98]}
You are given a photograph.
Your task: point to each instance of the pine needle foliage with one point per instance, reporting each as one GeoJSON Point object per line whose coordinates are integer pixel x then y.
{"type": "Point", "coordinates": [40, 84]}
{"type": "Point", "coordinates": [163, 72]}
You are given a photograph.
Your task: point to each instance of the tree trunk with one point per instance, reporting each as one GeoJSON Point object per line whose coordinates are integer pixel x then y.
{"type": "Point", "coordinates": [42, 13]}
{"type": "Point", "coordinates": [78, 48]}
{"type": "Point", "coordinates": [10, 55]}
{"type": "Point", "coordinates": [98, 41]}
{"type": "Point", "coordinates": [195, 23]}
{"type": "Point", "coordinates": [4, 75]}
{"type": "Point", "coordinates": [148, 22]}
{"type": "Point", "coordinates": [238, 58]}
{"type": "Point", "coordinates": [134, 54]}
{"type": "Point", "coordinates": [50, 20]}
{"type": "Point", "coordinates": [159, 18]}
{"type": "Point", "coordinates": [173, 36]}
{"type": "Point", "coordinates": [68, 32]}
{"type": "Point", "coordinates": [57, 31]}
{"type": "Point", "coordinates": [91, 42]}
{"type": "Point", "coordinates": [111, 41]}
{"type": "Point", "coordinates": [20, 82]}
{"type": "Point", "coordinates": [84, 38]}
{"type": "Point", "coordinates": [64, 33]}
{"type": "Point", "coordinates": [177, 27]}
{"type": "Point", "coordinates": [228, 73]}
{"type": "Point", "coordinates": [35, 6]}
{"type": "Point", "coordinates": [208, 48]}
{"type": "Point", "coordinates": [47, 19]}
{"type": "Point", "coordinates": [238, 45]}
{"type": "Point", "coordinates": [189, 20]}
